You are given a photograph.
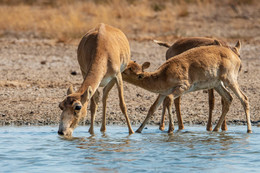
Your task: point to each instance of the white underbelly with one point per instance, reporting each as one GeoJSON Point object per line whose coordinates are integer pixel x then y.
{"type": "Point", "coordinates": [122, 67]}
{"type": "Point", "coordinates": [203, 85]}
{"type": "Point", "coordinates": [105, 81]}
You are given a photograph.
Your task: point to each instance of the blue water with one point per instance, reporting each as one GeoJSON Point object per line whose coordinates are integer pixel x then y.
{"type": "Point", "coordinates": [40, 149]}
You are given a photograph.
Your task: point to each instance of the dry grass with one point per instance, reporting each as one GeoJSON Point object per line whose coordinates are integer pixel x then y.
{"type": "Point", "coordinates": [72, 20]}
{"type": "Point", "coordinates": [67, 19]}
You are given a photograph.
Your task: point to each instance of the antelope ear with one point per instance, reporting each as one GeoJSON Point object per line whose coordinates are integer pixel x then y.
{"type": "Point", "coordinates": [145, 65]}
{"type": "Point", "coordinates": [70, 90]}
{"type": "Point", "coordinates": [216, 42]}
{"type": "Point", "coordinates": [238, 45]}
{"type": "Point", "coordinates": [87, 95]}
{"type": "Point", "coordinates": [61, 105]}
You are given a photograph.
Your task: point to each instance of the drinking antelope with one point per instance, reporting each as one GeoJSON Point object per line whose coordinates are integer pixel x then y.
{"type": "Point", "coordinates": [205, 67]}
{"type": "Point", "coordinates": [103, 53]}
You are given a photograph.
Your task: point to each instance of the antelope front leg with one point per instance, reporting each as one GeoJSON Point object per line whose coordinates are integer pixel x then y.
{"type": "Point", "coordinates": [106, 90]}
{"type": "Point", "coordinates": [152, 109]}
{"type": "Point", "coordinates": [166, 104]}
{"type": "Point", "coordinates": [93, 110]}
{"type": "Point", "coordinates": [122, 101]}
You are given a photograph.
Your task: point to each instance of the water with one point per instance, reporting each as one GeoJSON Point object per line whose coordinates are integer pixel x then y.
{"type": "Point", "coordinates": [40, 149]}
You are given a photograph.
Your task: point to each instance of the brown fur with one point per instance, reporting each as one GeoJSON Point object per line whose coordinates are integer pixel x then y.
{"type": "Point", "coordinates": [204, 67]}
{"type": "Point", "coordinates": [103, 53]}
{"type": "Point", "coordinates": [177, 48]}
{"type": "Point", "coordinates": [184, 44]}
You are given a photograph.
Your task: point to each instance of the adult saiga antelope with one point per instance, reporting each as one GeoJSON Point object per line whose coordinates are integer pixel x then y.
{"type": "Point", "coordinates": [204, 67]}
{"type": "Point", "coordinates": [180, 46]}
{"type": "Point", "coordinates": [103, 53]}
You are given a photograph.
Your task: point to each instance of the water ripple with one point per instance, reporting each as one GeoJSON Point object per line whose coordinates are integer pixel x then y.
{"type": "Point", "coordinates": [40, 149]}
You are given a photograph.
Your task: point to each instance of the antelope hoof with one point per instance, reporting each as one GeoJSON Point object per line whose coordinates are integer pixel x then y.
{"type": "Point", "coordinates": [170, 131]}
{"type": "Point", "coordinates": [209, 128]}
{"type": "Point", "coordinates": [162, 128]}
{"type": "Point", "coordinates": [181, 127]}
{"type": "Point", "coordinates": [131, 132]}
{"type": "Point", "coordinates": [215, 130]}
{"type": "Point", "coordinates": [249, 131]}
{"type": "Point", "coordinates": [102, 129]}
{"type": "Point", "coordinates": [91, 131]}
{"type": "Point", "coordinates": [224, 129]}
{"type": "Point", "coordinates": [138, 131]}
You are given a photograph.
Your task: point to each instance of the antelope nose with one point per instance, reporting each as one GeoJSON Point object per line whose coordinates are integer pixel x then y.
{"type": "Point", "coordinates": [77, 107]}
{"type": "Point", "coordinates": [60, 133]}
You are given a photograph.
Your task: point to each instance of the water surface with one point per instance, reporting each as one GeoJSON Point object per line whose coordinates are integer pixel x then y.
{"type": "Point", "coordinates": [40, 149]}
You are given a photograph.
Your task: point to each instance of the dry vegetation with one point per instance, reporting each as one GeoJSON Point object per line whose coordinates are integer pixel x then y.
{"type": "Point", "coordinates": [67, 19]}
{"type": "Point", "coordinates": [139, 19]}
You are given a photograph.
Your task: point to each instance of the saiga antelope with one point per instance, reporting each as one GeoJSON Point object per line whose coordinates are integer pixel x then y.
{"type": "Point", "coordinates": [180, 46]}
{"type": "Point", "coordinates": [103, 53]}
{"type": "Point", "coordinates": [199, 68]}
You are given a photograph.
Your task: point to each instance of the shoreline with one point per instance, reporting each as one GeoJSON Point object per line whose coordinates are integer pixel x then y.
{"type": "Point", "coordinates": [202, 123]}
{"type": "Point", "coordinates": [35, 76]}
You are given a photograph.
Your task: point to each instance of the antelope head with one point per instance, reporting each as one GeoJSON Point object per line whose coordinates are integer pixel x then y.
{"type": "Point", "coordinates": [73, 110]}
{"type": "Point", "coordinates": [134, 71]}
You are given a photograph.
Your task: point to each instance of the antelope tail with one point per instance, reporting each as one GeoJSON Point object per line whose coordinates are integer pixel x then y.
{"type": "Point", "coordinates": [162, 43]}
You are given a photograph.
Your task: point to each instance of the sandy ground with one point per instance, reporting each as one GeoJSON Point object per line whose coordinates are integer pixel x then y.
{"type": "Point", "coordinates": [36, 73]}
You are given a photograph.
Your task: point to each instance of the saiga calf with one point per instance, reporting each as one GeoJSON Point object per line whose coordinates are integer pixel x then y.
{"type": "Point", "coordinates": [205, 67]}
{"type": "Point", "coordinates": [180, 46]}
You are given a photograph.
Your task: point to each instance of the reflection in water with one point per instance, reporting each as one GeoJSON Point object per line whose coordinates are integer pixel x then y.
{"type": "Point", "coordinates": [104, 144]}
{"type": "Point", "coordinates": [221, 141]}
{"type": "Point", "coordinates": [39, 149]}
{"type": "Point", "coordinates": [196, 150]}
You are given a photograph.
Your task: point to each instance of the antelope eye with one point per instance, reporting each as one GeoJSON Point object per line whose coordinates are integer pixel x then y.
{"type": "Point", "coordinates": [78, 108]}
